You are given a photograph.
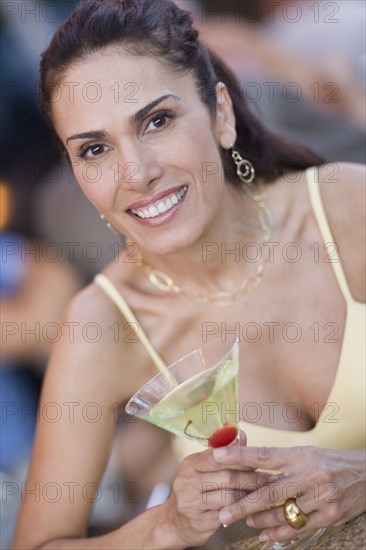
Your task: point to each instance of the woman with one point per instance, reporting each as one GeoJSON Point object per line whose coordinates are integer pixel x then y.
{"type": "Point", "coordinates": [181, 168]}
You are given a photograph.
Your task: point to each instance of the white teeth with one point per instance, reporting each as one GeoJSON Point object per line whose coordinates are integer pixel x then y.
{"type": "Point", "coordinates": [162, 206]}
{"type": "Point", "coordinates": [153, 212]}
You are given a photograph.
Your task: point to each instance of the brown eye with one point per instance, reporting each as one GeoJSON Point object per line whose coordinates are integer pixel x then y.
{"type": "Point", "coordinates": [159, 122]}
{"type": "Point", "coordinates": [93, 150]}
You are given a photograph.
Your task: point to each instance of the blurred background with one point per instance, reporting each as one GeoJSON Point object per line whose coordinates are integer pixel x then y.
{"type": "Point", "coordinates": [300, 66]}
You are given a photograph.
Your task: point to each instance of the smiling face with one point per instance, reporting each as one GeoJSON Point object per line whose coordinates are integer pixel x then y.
{"type": "Point", "coordinates": [144, 148]}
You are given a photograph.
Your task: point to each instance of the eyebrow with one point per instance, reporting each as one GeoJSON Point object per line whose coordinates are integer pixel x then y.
{"type": "Point", "coordinates": [98, 134]}
{"type": "Point", "coordinates": [140, 115]}
{"type": "Point", "coordinates": [133, 119]}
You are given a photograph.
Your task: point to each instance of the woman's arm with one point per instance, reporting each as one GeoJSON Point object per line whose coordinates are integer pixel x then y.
{"type": "Point", "coordinates": [150, 530]}
{"type": "Point", "coordinates": [86, 377]}
{"type": "Point", "coordinates": [190, 516]}
{"type": "Point", "coordinates": [83, 383]}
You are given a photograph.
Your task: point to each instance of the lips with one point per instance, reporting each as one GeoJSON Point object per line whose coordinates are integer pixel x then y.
{"type": "Point", "coordinates": [160, 205]}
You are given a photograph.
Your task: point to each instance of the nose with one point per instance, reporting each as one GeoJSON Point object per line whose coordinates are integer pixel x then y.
{"type": "Point", "coordinates": [139, 167]}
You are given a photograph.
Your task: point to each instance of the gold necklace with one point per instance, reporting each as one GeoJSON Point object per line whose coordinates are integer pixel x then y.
{"type": "Point", "coordinates": [163, 282]}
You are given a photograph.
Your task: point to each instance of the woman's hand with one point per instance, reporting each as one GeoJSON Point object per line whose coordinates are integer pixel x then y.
{"type": "Point", "coordinates": [329, 487]}
{"type": "Point", "coordinates": [201, 489]}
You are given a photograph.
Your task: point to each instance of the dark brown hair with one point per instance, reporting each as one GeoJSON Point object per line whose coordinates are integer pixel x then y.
{"type": "Point", "coordinates": [161, 29]}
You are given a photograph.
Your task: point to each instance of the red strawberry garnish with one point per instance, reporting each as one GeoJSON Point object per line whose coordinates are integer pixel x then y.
{"type": "Point", "coordinates": [220, 438]}
{"type": "Point", "coordinates": [223, 436]}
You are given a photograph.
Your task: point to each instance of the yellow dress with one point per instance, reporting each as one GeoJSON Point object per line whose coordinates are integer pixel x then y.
{"type": "Point", "coordinates": [342, 424]}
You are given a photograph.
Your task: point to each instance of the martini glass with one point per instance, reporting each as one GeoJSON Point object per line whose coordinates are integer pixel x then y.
{"type": "Point", "coordinates": [196, 397]}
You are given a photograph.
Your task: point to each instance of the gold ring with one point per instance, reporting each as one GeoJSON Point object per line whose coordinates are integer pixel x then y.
{"type": "Point", "coordinates": [293, 515]}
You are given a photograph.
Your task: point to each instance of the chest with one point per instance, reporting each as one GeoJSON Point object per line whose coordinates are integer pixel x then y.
{"type": "Point", "coordinates": [289, 341]}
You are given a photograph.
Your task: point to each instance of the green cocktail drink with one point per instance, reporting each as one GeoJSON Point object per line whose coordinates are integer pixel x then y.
{"type": "Point", "coordinates": [197, 398]}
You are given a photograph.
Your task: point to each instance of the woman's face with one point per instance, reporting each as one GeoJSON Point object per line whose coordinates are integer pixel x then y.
{"type": "Point", "coordinates": [144, 147]}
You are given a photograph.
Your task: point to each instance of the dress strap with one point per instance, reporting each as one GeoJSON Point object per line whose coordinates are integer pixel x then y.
{"type": "Point", "coordinates": [105, 284]}
{"type": "Point", "coordinates": [312, 180]}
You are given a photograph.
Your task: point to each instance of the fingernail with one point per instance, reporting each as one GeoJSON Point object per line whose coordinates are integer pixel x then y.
{"type": "Point", "coordinates": [263, 537]}
{"type": "Point", "coordinates": [250, 521]}
{"type": "Point", "coordinates": [225, 516]}
{"type": "Point", "coordinates": [242, 438]}
{"type": "Point", "coordinates": [220, 453]}
{"type": "Point", "coordinates": [275, 477]}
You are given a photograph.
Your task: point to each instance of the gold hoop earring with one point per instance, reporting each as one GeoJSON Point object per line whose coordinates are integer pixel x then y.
{"type": "Point", "coordinates": [244, 168]}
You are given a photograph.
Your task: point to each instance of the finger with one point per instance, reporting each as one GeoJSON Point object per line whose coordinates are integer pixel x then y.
{"type": "Point", "coordinates": [275, 517]}
{"type": "Point", "coordinates": [205, 461]}
{"type": "Point", "coordinates": [286, 533]}
{"type": "Point", "coordinates": [242, 438]}
{"type": "Point", "coordinates": [267, 458]}
{"type": "Point", "coordinates": [228, 494]}
{"type": "Point", "coordinates": [202, 462]}
{"type": "Point", "coordinates": [227, 487]}
{"type": "Point", "coordinates": [215, 500]}
{"type": "Point", "coordinates": [198, 502]}
{"type": "Point", "coordinates": [233, 480]}
{"type": "Point", "coordinates": [265, 497]}
{"type": "Point", "coordinates": [267, 519]}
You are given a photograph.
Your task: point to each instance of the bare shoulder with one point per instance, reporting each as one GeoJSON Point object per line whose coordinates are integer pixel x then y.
{"type": "Point", "coordinates": [89, 305]}
{"type": "Point", "coordinates": [343, 191]}
{"type": "Point", "coordinates": [91, 358]}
